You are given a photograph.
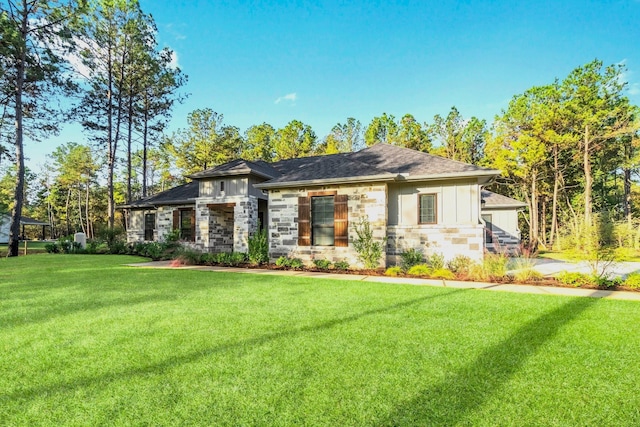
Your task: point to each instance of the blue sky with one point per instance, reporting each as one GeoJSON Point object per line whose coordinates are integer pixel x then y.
{"type": "Point", "coordinates": [322, 62]}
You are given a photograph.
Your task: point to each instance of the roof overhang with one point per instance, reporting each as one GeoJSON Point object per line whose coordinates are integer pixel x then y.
{"type": "Point", "coordinates": [485, 176]}
{"type": "Point", "coordinates": [155, 206]}
{"type": "Point", "coordinates": [238, 172]}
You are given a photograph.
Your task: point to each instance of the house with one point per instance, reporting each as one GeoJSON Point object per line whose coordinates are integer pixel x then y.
{"type": "Point", "coordinates": [500, 216]}
{"type": "Point", "coordinates": [312, 205]}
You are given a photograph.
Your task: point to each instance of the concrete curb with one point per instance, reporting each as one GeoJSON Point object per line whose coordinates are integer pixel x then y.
{"type": "Point", "coordinates": [503, 287]}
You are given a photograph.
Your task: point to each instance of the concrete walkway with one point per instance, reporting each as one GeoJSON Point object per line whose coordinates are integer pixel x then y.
{"type": "Point", "coordinates": [527, 289]}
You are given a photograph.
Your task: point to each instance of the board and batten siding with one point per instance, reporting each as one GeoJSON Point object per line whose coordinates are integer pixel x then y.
{"type": "Point", "coordinates": [233, 186]}
{"type": "Point", "coordinates": [456, 203]}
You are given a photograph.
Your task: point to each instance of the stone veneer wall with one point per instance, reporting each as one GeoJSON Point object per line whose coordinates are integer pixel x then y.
{"type": "Point", "coordinates": [364, 200]}
{"type": "Point", "coordinates": [449, 240]}
{"type": "Point", "coordinates": [164, 220]}
{"type": "Point", "coordinates": [234, 229]}
{"type": "Point", "coordinates": [135, 230]}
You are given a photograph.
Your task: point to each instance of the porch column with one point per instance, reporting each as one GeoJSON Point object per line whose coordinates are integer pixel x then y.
{"type": "Point", "coordinates": [203, 214]}
{"type": "Point", "coordinates": [245, 218]}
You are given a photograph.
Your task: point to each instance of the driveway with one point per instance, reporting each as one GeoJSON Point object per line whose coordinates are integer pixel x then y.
{"type": "Point", "coordinates": [551, 267]}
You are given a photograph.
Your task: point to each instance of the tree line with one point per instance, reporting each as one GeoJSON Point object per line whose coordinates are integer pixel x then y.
{"type": "Point", "coordinates": [569, 149]}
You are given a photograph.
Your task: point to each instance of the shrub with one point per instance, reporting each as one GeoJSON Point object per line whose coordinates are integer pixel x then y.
{"type": "Point", "coordinates": [369, 251]}
{"type": "Point", "coordinates": [258, 247]}
{"type": "Point", "coordinates": [460, 264]}
{"type": "Point", "coordinates": [632, 281]}
{"type": "Point", "coordinates": [189, 256]}
{"type": "Point", "coordinates": [341, 265]}
{"type": "Point", "coordinates": [208, 259]}
{"type": "Point", "coordinates": [436, 261]}
{"type": "Point", "coordinates": [495, 265]}
{"type": "Point", "coordinates": [114, 238]}
{"type": "Point", "coordinates": [419, 270]}
{"type": "Point", "coordinates": [393, 271]}
{"type": "Point", "coordinates": [478, 273]}
{"type": "Point", "coordinates": [296, 263]}
{"type": "Point", "coordinates": [442, 273]}
{"type": "Point", "coordinates": [575, 279]}
{"type": "Point", "coordinates": [410, 258]}
{"type": "Point", "coordinates": [51, 248]}
{"type": "Point", "coordinates": [322, 264]}
{"type": "Point", "coordinates": [527, 275]}
{"type": "Point", "coordinates": [283, 261]}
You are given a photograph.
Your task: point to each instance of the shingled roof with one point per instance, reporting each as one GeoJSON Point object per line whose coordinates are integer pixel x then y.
{"type": "Point", "coordinates": [497, 201]}
{"type": "Point", "coordinates": [239, 167]}
{"type": "Point", "coordinates": [181, 194]}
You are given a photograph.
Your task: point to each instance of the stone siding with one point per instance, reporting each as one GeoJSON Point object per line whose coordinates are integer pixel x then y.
{"type": "Point", "coordinates": [164, 220]}
{"type": "Point", "coordinates": [450, 241]}
{"type": "Point", "coordinates": [219, 230]}
{"type": "Point", "coordinates": [368, 200]}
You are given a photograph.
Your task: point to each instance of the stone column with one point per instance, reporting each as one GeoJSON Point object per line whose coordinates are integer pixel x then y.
{"type": "Point", "coordinates": [202, 226]}
{"type": "Point", "coordinates": [245, 218]}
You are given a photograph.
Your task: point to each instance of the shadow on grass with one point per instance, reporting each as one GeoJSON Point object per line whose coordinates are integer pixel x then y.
{"type": "Point", "coordinates": [49, 312]}
{"type": "Point", "coordinates": [174, 361]}
{"type": "Point", "coordinates": [450, 401]}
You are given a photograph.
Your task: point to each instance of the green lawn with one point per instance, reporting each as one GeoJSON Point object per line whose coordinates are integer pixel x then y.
{"type": "Point", "coordinates": [33, 247]}
{"type": "Point", "coordinates": [86, 341]}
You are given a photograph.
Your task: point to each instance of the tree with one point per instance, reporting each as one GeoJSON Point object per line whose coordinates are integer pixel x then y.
{"type": "Point", "coordinates": [459, 139]}
{"type": "Point", "coordinates": [412, 135]}
{"type": "Point", "coordinates": [600, 114]}
{"type": "Point", "coordinates": [343, 138]}
{"type": "Point", "coordinates": [205, 143]}
{"type": "Point", "coordinates": [35, 34]}
{"type": "Point", "coordinates": [258, 143]}
{"type": "Point", "coordinates": [294, 140]}
{"type": "Point", "coordinates": [381, 129]}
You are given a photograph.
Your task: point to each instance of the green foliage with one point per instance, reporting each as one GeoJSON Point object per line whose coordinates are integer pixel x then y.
{"type": "Point", "coordinates": [478, 273]}
{"type": "Point", "coordinates": [436, 260]}
{"type": "Point", "coordinates": [410, 258]}
{"type": "Point", "coordinates": [114, 239]}
{"type": "Point", "coordinates": [393, 271]}
{"type": "Point", "coordinates": [460, 264]}
{"type": "Point", "coordinates": [231, 259]}
{"type": "Point", "coordinates": [258, 247]}
{"type": "Point", "coordinates": [341, 265]}
{"type": "Point", "coordinates": [495, 265]}
{"type": "Point", "coordinates": [295, 263]}
{"type": "Point", "coordinates": [52, 248]}
{"type": "Point", "coordinates": [527, 275]}
{"type": "Point", "coordinates": [573, 278]}
{"type": "Point", "coordinates": [419, 270]}
{"type": "Point", "coordinates": [442, 273]}
{"type": "Point", "coordinates": [632, 281]}
{"type": "Point", "coordinates": [369, 251]}
{"type": "Point", "coordinates": [189, 256]}
{"type": "Point", "coordinates": [322, 264]}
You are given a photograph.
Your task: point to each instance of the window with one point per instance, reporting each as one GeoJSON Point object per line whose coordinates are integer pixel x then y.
{"type": "Point", "coordinates": [149, 225]}
{"type": "Point", "coordinates": [427, 209]}
{"type": "Point", "coordinates": [322, 226]}
{"type": "Point", "coordinates": [222, 186]}
{"type": "Point", "coordinates": [185, 225]}
{"type": "Point", "coordinates": [184, 220]}
{"type": "Point", "coordinates": [323, 219]}
{"type": "Point", "coordinates": [488, 228]}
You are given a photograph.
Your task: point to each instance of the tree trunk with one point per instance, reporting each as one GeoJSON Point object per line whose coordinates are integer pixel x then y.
{"type": "Point", "coordinates": [129, 142]}
{"type": "Point", "coordinates": [18, 196]}
{"type": "Point", "coordinates": [86, 209]}
{"type": "Point", "coordinates": [554, 202]}
{"type": "Point", "coordinates": [533, 228]}
{"type": "Point", "coordinates": [112, 145]}
{"type": "Point", "coordinates": [80, 219]}
{"type": "Point", "coordinates": [588, 178]}
{"type": "Point", "coordinates": [66, 209]}
{"type": "Point", "coordinates": [145, 133]}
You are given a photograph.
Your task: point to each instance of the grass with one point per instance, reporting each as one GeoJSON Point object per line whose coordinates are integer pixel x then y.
{"type": "Point", "coordinates": [86, 341]}
{"type": "Point", "coordinates": [33, 247]}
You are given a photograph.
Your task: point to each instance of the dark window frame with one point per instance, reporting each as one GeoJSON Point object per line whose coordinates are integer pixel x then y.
{"type": "Point", "coordinates": [149, 232]}
{"type": "Point", "coordinates": [435, 208]}
{"type": "Point", "coordinates": [186, 233]}
{"type": "Point", "coordinates": [316, 227]}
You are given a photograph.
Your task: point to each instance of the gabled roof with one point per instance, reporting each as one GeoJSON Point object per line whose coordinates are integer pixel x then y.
{"type": "Point", "coordinates": [181, 194]}
{"type": "Point", "coordinates": [239, 167]}
{"type": "Point", "coordinates": [497, 201]}
{"type": "Point", "coordinates": [25, 220]}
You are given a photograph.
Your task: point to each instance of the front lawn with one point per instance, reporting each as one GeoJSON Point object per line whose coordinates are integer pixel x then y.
{"type": "Point", "coordinates": [87, 341]}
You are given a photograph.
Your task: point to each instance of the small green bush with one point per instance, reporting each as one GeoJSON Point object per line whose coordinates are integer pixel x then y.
{"type": "Point", "coordinates": [296, 263]}
{"type": "Point", "coordinates": [393, 271]}
{"type": "Point", "coordinates": [460, 264]}
{"type": "Point", "coordinates": [341, 265]}
{"type": "Point", "coordinates": [477, 273]}
{"type": "Point", "coordinates": [575, 279]}
{"type": "Point", "coordinates": [283, 261]}
{"type": "Point", "coordinates": [369, 251]}
{"type": "Point", "coordinates": [495, 265]}
{"type": "Point", "coordinates": [442, 273]}
{"type": "Point", "coordinates": [436, 260]}
{"type": "Point", "coordinates": [258, 248]}
{"type": "Point", "coordinates": [527, 275]}
{"type": "Point", "coordinates": [189, 256]}
{"type": "Point", "coordinates": [632, 281]}
{"type": "Point", "coordinates": [419, 270]}
{"type": "Point", "coordinates": [410, 258]}
{"type": "Point", "coordinates": [51, 248]}
{"type": "Point", "coordinates": [322, 264]}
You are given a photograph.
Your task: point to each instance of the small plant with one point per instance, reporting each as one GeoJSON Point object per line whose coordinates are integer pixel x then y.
{"type": "Point", "coordinates": [369, 251]}
{"type": "Point", "coordinates": [283, 261]}
{"type": "Point", "coordinates": [393, 271]}
{"type": "Point", "coordinates": [478, 273]}
{"type": "Point", "coordinates": [442, 273]}
{"type": "Point", "coordinates": [322, 264]}
{"type": "Point", "coordinates": [495, 265]}
{"type": "Point", "coordinates": [419, 270]}
{"type": "Point", "coordinates": [632, 281]}
{"type": "Point", "coordinates": [295, 263]}
{"type": "Point", "coordinates": [460, 264]}
{"type": "Point", "coordinates": [410, 258]}
{"type": "Point", "coordinates": [575, 279]}
{"type": "Point", "coordinates": [51, 248]}
{"type": "Point", "coordinates": [237, 258]}
{"type": "Point", "coordinates": [436, 260]}
{"type": "Point", "coordinates": [341, 265]}
{"type": "Point", "coordinates": [189, 256]}
{"type": "Point", "coordinates": [258, 247]}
